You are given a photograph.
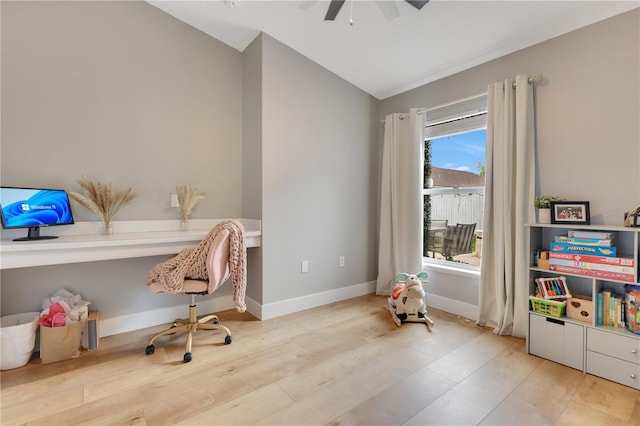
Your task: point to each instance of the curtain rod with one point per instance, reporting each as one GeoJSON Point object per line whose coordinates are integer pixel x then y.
{"type": "Point", "coordinates": [536, 78]}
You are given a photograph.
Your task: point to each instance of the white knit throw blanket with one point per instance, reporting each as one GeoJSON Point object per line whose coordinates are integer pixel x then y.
{"type": "Point", "coordinates": [192, 263]}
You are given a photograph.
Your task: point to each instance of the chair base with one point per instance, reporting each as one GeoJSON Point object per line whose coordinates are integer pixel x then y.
{"type": "Point", "coordinates": [191, 325]}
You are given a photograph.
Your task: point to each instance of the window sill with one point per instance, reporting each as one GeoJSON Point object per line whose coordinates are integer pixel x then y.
{"type": "Point", "coordinates": [469, 271]}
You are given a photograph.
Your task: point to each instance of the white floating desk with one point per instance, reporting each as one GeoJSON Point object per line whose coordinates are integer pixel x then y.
{"type": "Point", "coordinates": [130, 239]}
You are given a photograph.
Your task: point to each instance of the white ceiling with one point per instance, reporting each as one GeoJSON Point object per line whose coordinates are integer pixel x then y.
{"type": "Point", "coordinates": [385, 57]}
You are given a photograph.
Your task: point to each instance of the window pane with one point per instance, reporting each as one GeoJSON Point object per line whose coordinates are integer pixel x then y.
{"type": "Point", "coordinates": [454, 203]}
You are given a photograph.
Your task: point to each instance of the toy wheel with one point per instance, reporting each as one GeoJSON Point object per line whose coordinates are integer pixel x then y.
{"type": "Point", "coordinates": [150, 349]}
{"type": "Point", "coordinates": [187, 357]}
{"type": "Point", "coordinates": [227, 340]}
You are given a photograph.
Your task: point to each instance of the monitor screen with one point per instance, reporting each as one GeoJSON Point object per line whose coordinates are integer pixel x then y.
{"type": "Point", "coordinates": [34, 208]}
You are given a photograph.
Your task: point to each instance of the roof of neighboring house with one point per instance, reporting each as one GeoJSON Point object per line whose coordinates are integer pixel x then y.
{"type": "Point", "coordinates": [455, 178]}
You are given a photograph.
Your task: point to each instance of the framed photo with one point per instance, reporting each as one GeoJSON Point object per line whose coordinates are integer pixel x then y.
{"type": "Point", "coordinates": [571, 212]}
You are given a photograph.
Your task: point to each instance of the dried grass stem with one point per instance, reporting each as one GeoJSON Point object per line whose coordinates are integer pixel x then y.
{"type": "Point", "coordinates": [101, 199]}
{"type": "Point", "coordinates": [188, 197]}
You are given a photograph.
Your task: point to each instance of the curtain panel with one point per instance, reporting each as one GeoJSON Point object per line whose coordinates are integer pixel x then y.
{"type": "Point", "coordinates": [401, 215]}
{"type": "Point", "coordinates": [509, 193]}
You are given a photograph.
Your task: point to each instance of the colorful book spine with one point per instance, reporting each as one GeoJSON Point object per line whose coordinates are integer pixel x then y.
{"type": "Point", "coordinates": [599, 309]}
{"type": "Point", "coordinates": [583, 241]}
{"type": "Point", "coordinates": [620, 261]}
{"type": "Point", "coordinates": [594, 235]}
{"type": "Point", "coordinates": [593, 273]}
{"type": "Point", "coordinates": [594, 266]}
{"type": "Point", "coordinates": [606, 301]}
{"type": "Point", "coordinates": [590, 250]}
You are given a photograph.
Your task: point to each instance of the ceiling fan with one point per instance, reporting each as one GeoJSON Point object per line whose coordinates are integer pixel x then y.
{"type": "Point", "coordinates": [388, 8]}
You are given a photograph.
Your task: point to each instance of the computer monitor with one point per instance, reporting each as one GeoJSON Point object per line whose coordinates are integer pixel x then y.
{"type": "Point", "coordinates": [33, 208]}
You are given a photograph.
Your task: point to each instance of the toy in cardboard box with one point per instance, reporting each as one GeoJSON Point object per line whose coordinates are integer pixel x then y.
{"type": "Point", "coordinates": [632, 302]}
{"type": "Point", "coordinates": [406, 302]}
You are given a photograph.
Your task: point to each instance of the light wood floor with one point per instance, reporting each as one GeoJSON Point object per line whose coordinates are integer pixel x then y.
{"type": "Point", "coordinates": [344, 363]}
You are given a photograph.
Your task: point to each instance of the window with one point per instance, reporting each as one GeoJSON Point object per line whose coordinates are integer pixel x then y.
{"type": "Point", "coordinates": [454, 181]}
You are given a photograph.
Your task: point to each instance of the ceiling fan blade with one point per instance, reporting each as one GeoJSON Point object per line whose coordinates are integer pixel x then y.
{"type": "Point", "coordinates": [334, 8]}
{"type": "Point", "coordinates": [418, 4]}
{"type": "Point", "coordinates": [388, 9]}
{"type": "Point", "coordinates": [307, 4]}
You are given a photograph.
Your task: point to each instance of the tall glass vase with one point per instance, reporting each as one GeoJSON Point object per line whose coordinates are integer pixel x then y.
{"type": "Point", "coordinates": [107, 229]}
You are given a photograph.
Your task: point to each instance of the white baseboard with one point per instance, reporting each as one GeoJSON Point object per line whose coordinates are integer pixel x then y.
{"type": "Point", "coordinates": [139, 320]}
{"type": "Point", "coordinates": [284, 307]}
{"type": "Point", "coordinates": [456, 307]}
{"type": "Point", "coordinates": [144, 319]}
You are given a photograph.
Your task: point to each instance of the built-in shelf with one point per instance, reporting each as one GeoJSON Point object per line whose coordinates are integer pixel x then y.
{"type": "Point", "coordinates": [130, 239]}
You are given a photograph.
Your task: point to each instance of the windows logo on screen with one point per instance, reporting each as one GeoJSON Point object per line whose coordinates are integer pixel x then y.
{"type": "Point", "coordinates": [25, 207]}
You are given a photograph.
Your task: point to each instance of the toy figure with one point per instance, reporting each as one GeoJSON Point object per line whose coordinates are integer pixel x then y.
{"type": "Point", "coordinates": [406, 302]}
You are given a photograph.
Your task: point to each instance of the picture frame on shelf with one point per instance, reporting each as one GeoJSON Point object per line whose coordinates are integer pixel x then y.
{"type": "Point", "coordinates": [570, 212]}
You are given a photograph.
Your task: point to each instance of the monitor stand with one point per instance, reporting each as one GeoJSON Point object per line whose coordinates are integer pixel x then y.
{"type": "Point", "coordinates": [34, 234]}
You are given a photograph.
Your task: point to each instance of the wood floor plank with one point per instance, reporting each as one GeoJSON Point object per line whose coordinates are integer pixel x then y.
{"type": "Point", "coordinates": [398, 402]}
{"type": "Point", "coordinates": [246, 409]}
{"type": "Point", "coordinates": [481, 390]}
{"type": "Point", "coordinates": [343, 363]}
{"type": "Point", "coordinates": [543, 395]}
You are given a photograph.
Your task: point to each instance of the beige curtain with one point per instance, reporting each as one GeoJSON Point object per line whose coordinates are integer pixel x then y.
{"type": "Point", "coordinates": [401, 218]}
{"type": "Point", "coordinates": [509, 192]}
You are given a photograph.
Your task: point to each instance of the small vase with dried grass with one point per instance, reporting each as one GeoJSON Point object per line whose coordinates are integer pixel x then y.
{"type": "Point", "coordinates": [102, 200]}
{"type": "Point", "coordinates": [188, 197]}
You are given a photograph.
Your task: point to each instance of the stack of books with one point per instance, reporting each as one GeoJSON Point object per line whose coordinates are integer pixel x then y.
{"type": "Point", "coordinates": [590, 253]}
{"type": "Point", "coordinates": [610, 308]}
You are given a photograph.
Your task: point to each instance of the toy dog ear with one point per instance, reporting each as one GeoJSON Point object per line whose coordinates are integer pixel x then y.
{"type": "Point", "coordinates": [423, 275]}
{"type": "Point", "coordinates": [401, 277]}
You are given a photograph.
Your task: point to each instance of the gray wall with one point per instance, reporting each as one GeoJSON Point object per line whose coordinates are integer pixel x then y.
{"type": "Point", "coordinates": [587, 110]}
{"type": "Point", "coordinates": [123, 93]}
{"type": "Point", "coordinates": [252, 154]}
{"type": "Point", "coordinates": [319, 179]}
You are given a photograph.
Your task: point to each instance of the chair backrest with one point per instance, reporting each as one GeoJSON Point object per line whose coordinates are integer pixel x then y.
{"type": "Point", "coordinates": [439, 224]}
{"type": "Point", "coordinates": [458, 239]}
{"type": "Point", "coordinates": [218, 260]}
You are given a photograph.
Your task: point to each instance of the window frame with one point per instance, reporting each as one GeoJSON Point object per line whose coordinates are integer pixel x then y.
{"type": "Point", "coordinates": [464, 116]}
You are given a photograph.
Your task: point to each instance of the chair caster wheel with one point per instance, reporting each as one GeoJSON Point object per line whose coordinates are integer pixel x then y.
{"type": "Point", "coordinates": [227, 340]}
{"type": "Point", "coordinates": [187, 357]}
{"type": "Point", "coordinates": [150, 349]}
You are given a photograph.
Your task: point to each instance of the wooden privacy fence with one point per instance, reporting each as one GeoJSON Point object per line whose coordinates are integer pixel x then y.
{"type": "Point", "coordinates": [458, 207]}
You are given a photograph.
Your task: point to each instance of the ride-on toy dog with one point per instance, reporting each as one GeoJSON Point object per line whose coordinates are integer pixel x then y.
{"type": "Point", "coordinates": [406, 302]}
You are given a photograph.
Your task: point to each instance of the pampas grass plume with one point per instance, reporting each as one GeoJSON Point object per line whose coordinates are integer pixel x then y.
{"type": "Point", "coordinates": [101, 199]}
{"type": "Point", "coordinates": [188, 197]}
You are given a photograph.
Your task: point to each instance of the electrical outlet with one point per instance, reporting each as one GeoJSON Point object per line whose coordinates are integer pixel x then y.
{"type": "Point", "coordinates": [304, 266]}
{"type": "Point", "coordinates": [174, 200]}
{"type": "Point", "coordinates": [341, 261]}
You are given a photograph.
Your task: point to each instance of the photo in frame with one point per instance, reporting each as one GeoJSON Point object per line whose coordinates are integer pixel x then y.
{"type": "Point", "coordinates": [570, 212]}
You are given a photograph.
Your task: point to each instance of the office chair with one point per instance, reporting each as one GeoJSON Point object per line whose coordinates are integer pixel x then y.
{"type": "Point", "coordinates": [190, 273]}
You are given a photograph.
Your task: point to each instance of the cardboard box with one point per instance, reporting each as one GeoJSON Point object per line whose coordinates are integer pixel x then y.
{"type": "Point", "coordinates": [580, 308]}
{"type": "Point", "coordinates": [632, 299]}
{"type": "Point", "coordinates": [605, 260]}
{"type": "Point", "coordinates": [593, 273]}
{"type": "Point", "coordinates": [592, 265]}
{"type": "Point", "coordinates": [91, 332]}
{"type": "Point", "coordinates": [578, 249]}
{"type": "Point", "coordinates": [60, 343]}
{"type": "Point", "coordinates": [543, 263]}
